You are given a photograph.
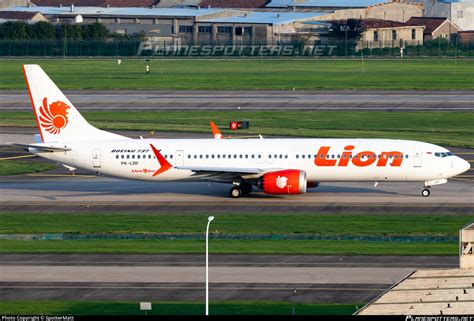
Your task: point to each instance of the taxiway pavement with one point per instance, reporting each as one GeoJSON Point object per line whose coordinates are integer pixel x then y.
{"type": "Point", "coordinates": [335, 100]}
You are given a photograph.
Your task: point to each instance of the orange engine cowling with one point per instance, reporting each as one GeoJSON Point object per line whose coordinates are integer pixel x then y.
{"type": "Point", "coordinates": [290, 181]}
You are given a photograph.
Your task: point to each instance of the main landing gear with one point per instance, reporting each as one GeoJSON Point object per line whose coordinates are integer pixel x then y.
{"type": "Point", "coordinates": [238, 190]}
{"type": "Point", "coordinates": [235, 192]}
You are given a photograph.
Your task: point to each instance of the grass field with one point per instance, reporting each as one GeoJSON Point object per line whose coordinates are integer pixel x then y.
{"type": "Point", "coordinates": [230, 224]}
{"type": "Point", "coordinates": [444, 128]}
{"type": "Point", "coordinates": [230, 247]}
{"type": "Point", "coordinates": [247, 74]}
{"type": "Point", "coordinates": [8, 167]}
{"type": "Point", "coordinates": [172, 308]}
{"type": "Point", "coordinates": [237, 223]}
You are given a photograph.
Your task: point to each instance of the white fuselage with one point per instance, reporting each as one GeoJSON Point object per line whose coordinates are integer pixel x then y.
{"type": "Point", "coordinates": [368, 160]}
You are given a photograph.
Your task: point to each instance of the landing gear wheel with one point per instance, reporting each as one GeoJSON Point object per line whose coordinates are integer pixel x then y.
{"type": "Point", "coordinates": [246, 189]}
{"type": "Point", "coordinates": [235, 192]}
{"type": "Point", "coordinates": [425, 192]}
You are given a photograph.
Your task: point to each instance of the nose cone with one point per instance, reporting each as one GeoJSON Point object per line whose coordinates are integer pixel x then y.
{"type": "Point", "coordinates": [462, 166]}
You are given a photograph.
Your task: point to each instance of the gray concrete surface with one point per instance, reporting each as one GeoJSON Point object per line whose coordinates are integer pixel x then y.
{"type": "Point", "coordinates": [15, 100]}
{"type": "Point", "coordinates": [127, 291]}
{"type": "Point", "coordinates": [133, 277]}
{"type": "Point", "coordinates": [66, 190]}
{"type": "Point", "coordinates": [231, 260]}
{"type": "Point", "coordinates": [193, 274]}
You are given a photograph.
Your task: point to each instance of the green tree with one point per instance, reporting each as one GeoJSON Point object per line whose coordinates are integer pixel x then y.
{"type": "Point", "coordinates": [70, 32]}
{"type": "Point", "coordinates": [94, 31]}
{"type": "Point", "coordinates": [17, 30]}
{"type": "Point", "coordinates": [42, 30]}
{"type": "Point", "coordinates": [351, 28]}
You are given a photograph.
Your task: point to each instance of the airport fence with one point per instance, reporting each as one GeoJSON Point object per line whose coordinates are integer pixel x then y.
{"type": "Point", "coordinates": [136, 48]}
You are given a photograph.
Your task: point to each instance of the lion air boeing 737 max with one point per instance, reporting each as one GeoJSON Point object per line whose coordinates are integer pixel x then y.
{"type": "Point", "coordinates": [277, 166]}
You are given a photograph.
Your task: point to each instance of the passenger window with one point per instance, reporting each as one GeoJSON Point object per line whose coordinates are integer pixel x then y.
{"type": "Point", "coordinates": [286, 156]}
{"type": "Point", "coordinates": [259, 156]}
{"type": "Point", "coordinates": [270, 156]}
{"type": "Point", "coordinates": [116, 156]}
{"type": "Point", "coordinates": [122, 157]}
{"type": "Point", "coordinates": [218, 156]}
{"type": "Point", "coordinates": [138, 156]}
{"type": "Point", "coordinates": [253, 156]}
{"type": "Point", "coordinates": [128, 156]}
{"type": "Point", "coordinates": [195, 156]}
{"type": "Point", "coordinates": [246, 156]}
{"type": "Point", "coordinates": [297, 156]}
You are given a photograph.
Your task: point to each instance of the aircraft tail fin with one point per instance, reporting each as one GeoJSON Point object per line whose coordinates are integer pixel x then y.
{"type": "Point", "coordinates": [57, 118]}
{"type": "Point", "coordinates": [215, 130]}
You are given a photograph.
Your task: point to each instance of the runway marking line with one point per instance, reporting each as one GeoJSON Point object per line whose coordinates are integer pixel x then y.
{"type": "Point", "coordinates": [183, 288]}
{"type": "Point", "coordinates": [296, 204]}
{"type": "Point", "coordinates": [61, 175]}
{"type": "Point", "coordinates": [462, 179]}
{"type": "Point", "coordinates": [16, 157]}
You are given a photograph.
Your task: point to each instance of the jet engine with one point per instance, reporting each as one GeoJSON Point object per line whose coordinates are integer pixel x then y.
{"type": "Point", "coordinates": [290, 181]}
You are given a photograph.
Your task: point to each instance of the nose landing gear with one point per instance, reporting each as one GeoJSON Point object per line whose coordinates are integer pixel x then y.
{"type": "Point", "coordinates": [425, 192]}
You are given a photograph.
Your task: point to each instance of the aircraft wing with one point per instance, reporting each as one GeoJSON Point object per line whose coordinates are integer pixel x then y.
{"type": "Point", "coordinates": [225, 173]}
{"type": "Point", "coordinates": [44, 147]}
{"type": "Point", "coordinates": [235, 170]}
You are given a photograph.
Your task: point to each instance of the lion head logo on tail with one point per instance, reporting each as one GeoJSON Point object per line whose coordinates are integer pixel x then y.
{"type": "Point", "coordinates": [54, 117]}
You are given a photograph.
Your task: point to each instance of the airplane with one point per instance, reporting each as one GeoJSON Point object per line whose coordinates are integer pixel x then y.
{"type": "Point", "coordinates": [276, 166]}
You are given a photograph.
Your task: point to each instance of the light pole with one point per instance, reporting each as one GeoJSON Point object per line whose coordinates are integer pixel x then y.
{"type": "Point", "coordinates": [209, 220]}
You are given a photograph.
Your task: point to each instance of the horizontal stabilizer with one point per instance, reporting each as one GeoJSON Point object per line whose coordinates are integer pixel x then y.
{"type": "Point", "coordinates": [43, 147]}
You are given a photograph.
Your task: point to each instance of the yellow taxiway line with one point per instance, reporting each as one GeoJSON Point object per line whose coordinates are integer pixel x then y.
{"type": "Point", "coordinates": [61, 175]}
{"type": "Point", "coordinates": [16, 157]}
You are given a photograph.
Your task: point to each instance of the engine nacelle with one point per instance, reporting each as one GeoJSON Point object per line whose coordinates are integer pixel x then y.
{"type": "Point", "coordinates": [289, 181]}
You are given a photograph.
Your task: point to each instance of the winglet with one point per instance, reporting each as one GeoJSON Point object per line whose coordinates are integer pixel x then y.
{"type": "Point", "coordinates": [164, 164]}
{"type": "Point", "coordinates": [215, 130]}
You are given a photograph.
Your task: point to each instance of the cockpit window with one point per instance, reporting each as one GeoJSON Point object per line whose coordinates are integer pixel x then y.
{"type": "Point", "coordinates": [443, 154]}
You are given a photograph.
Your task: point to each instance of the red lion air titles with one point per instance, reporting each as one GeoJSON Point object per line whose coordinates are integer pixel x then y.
{"type": "Point", "coordinates": [361, 159]}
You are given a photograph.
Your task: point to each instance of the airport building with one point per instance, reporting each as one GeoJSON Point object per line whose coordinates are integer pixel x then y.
{"type": "Point", "coordinates": [460, 12]}
{"type": "Point", "coordinates": [392, 34]}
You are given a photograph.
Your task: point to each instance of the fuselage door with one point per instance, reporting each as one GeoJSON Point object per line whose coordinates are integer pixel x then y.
{"type": "Point", "coordinates": [179, 156]}
{"type": "Point", "coordinates": [96, 162]}
{"type": "Point", "coordinates": [417, 161]}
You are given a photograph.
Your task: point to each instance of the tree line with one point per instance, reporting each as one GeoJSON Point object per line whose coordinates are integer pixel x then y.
{"type": "Point", "coordinates": [42, 30]}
